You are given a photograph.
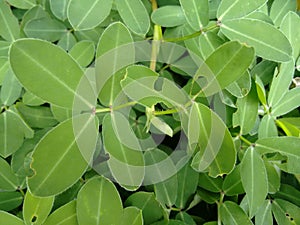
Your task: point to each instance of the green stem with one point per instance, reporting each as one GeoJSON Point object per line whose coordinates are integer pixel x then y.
{"type": "Point", "coordinates": [190, 36]}
{"type": "Point", "coordinates": [245, 140]}
{"type": "Point", "coordinates": [219, 205]}
{"type": "Point", "coordinates": [102, 110]}
{"type": "Point", "coordinates": [167, 112]}
{"type": "Point", "coordinates": [157, 37]}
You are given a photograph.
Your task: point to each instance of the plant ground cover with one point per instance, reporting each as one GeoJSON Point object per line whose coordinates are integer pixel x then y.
{"type": "Point", "coordinates": [154, 112]}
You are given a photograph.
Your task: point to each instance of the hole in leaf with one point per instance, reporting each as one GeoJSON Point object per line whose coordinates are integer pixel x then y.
{"type": "Point", "coordinates": [33, 219]}
{"type": "Point", "coordinates": [287, 215]}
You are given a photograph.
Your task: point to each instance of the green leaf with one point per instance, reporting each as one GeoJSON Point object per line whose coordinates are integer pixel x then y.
{"type": "Point", "coordinates": [290, 26]}
{"type": "Point", "coordinates": [67, 41]}
{"type": "Point", "coordinates": [187, 184]}
{"type": "Point", "coordinates": [261, 91]}
{"type": "Point", "coordinates": [9, 25]}
{"type": "Point", "coordinates": [4, 47]}
{"type": "Point", "coordinates": [65, 215]}
{"type": "Point", "coordinates": [247, 112]}
{"type": "Point", "coordinates": [290, 126]}
{"type": "Point", "coordinates": [60, 113]}
{"type": "Point", "coordinates": [254, 180]}
{"type": "Point", "coordinates": [209, 183]}
{"type": "Point", "coordinates": [196, 13]}
{"type": "Point", "coordinates": [285, 212]}
{"type": "Point", "coordinates": [269, 42]}
{"type": "Point", "coordinates": [132, 216]}
{"type": "Point", "coordinates": [209, 42]}
{"type": "Point", "coordinates": [219, 73]}
{"type": "Point", "coordinates": [59, 8]}
{"type": "Point", "coordinates": [207, 196]}
{"type": "Point", "coordinates": [185, 217]}
{"type": "Point", "coordinates": [113, 44]}
{"type": "Point", "coordinates": [10, 200]}
{"type": "Point", "coordinates": [88, 14]}
{"type": "Point", "coordinates": [32, 59]}
{"type": "Point", "coordinates": [8, 218]}
{"type": "Point", "coordinates": [232, 214]}
{"type": "Point", "coordinates": [168, 16]}
{"type": "Point", "coordinates": [290, 101]}
{"type": "Point", "coordinates": [281, 82]}
{"type": "Point", "coordinates": [31, 99]}
{"type": "Point", "coordinates": [140, 85]}
{"type": "Point", "coordinates": [161, 171]}
{"type": "Point", "coordinates": [11, 89]}
{"type": "Point", "coordinates": [229, 9]}
{"type": "Point", "coordinates": [98, 202]}
{"type": "Point", "coordinates": [38, 117]}
{"type": "Point", "coordinates": [241, 87]}
{"type": "Point", "coordinates": [83, 52]}
{"type": "Point", "coordinates": [287, 146]}
{"type": "Point", "coordinates": [8, 180]}
{"type": "Point", "coordinates": [264, 214]}
{"type": "Point", "coordinates": [288, 193]}
{"type": "Point", "coordinates": [232, 184]}
{"type": "Point", "coordinates": [162, 126]}
{"type": "Point", "coordinates": [4, 68]}
{"type": "Point", "coordinates": [126, 158]}
{"type": "Point", "coordinates": [273, 177]}
{"type": "Point", "coordinates": [61, 150]}
{"type": "Point", "coordinates": [151, 209]}
{"type": "Point", "coordinates": [36, 209]}
{"type": "Point", "coordinates": [217, 152]}
{"type": "Point", "coordinates": [12, 133]}
{"type": "Point", "coordinates": [25, 4]}
{"type": "Point", "coordinates": [134, 15]}
{"type": "Point", "coordinates": [267, 127]}
{"type": "Point", "coordinates": [279, 9]}
{"type": "Point", "coordinates": [45, 28]}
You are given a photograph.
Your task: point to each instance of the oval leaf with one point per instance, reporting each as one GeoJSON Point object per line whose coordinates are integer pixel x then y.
{"type": "Point", "coordinates": [33, 60]}
{"type": "Point", "coordinates": [7, 218]}
{"type": "Point", "coordinates": [168, 16]}
{"type": "Point", "coordinates": [45, 28]}
{"type": "Point", "coordinates": [196, 13]}
{"type": "Point", "coordinates": [58, 162]}
{"type": "Point", "coordinates": [269, 42]}
{"type": "Point", "coordinates": [254, 180]}
{"type": "Point", "coordinates": [229, 9]}
{"type": "Point", "coordinates": [217, 151]}
{"type": "Point", "coordinates": [98, 202]}
{"type": "Point", "coordinates": [88, 14]}
{"type": "Point", "coordinates": [287, 146]}
{"type": "Point", "coordinates": [232, 214]}
{"type": "Point", "coordinates": [65, 215]}
{"type": "Point", "coordinates": [9, 25]}
{"type": "Point", "coordinates": [134, 15]}
{"type": "Point", "coordinates": [219, 73]}
{"type": "Point", "coordinates": [36, 209]}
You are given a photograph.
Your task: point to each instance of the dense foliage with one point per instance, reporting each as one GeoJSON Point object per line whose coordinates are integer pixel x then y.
{"type": "Point", "coordinates": [157, 112]}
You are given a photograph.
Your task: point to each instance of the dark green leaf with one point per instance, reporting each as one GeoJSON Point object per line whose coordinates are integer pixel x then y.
{"type": "Point", "coordinates": [10, 200]}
